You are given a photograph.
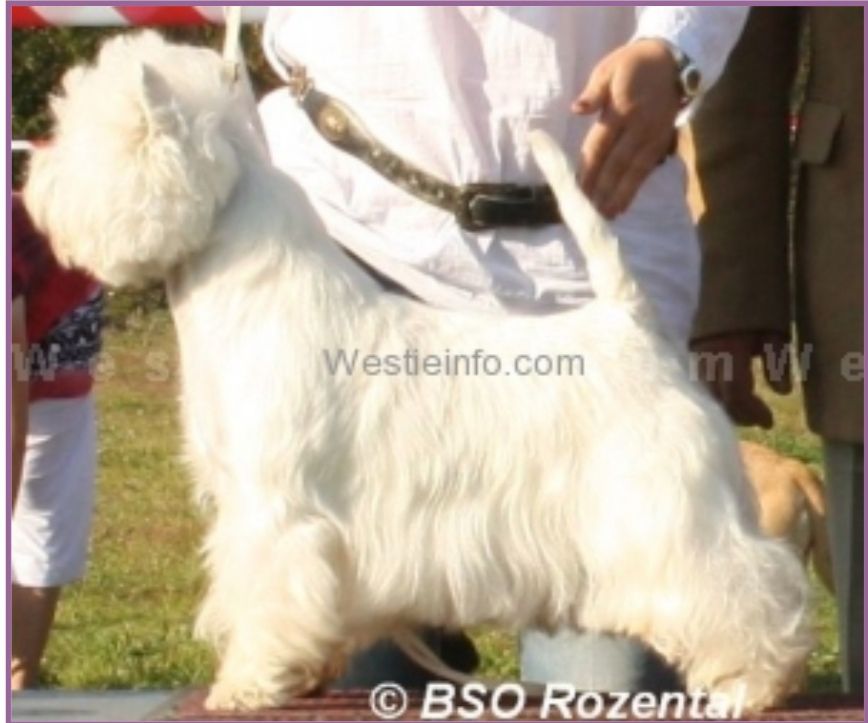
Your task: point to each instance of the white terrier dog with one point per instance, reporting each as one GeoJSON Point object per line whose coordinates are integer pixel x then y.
{"type": "Point", "coordinates": [351, 506]}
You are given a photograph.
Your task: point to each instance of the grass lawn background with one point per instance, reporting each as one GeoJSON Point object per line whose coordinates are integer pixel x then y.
{"type": "Point", "coordinates": [128, 623]}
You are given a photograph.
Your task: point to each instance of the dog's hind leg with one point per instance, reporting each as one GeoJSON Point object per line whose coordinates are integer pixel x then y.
{"type": "Point", "coordinates": [674, 557]}
{"type": "Point", "coordinates": [273, 609]}
{"type": "Point", "coordinates": [761, 635]}
{"type": "Point", "coordinates": [735, 620]}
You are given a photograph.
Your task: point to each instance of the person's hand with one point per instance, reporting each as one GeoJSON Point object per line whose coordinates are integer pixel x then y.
{"type": "Point", "coordinates": [635, 93]}
{"type": "Point", "coordinates": [724, 363]}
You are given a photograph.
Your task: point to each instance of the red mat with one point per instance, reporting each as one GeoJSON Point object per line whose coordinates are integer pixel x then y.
{"type": "Point", "coordinates": [354, 706]}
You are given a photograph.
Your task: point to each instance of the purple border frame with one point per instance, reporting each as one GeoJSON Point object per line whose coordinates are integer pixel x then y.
{"type": "Point", "coordinates": [57, 3]}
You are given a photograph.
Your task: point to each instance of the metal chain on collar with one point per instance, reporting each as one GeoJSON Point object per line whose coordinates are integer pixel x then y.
{"type": "Point", "coordinates": [476, 206]}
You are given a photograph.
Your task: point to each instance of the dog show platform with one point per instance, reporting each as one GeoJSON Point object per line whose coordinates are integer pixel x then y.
{"type": "Point", "coordinates": [354, 706]}
{"type": "Point", "coordinates": [187, 705]}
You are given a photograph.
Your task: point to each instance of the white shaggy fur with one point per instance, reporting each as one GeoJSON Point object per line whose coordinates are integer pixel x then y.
{"type": "Point", "coordinates": [351, 506]}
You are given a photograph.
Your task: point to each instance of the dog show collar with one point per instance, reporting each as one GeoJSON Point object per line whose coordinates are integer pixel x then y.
{"type": "Point", "coordinates": [475, 206]}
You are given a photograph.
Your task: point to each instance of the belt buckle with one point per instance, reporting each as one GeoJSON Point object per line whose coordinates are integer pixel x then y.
{"type": "Point", "coordinates": [475, 198]}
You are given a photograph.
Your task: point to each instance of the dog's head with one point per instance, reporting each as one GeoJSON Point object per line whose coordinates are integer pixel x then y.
{"type": "Point", "coordinates": [141, 159]}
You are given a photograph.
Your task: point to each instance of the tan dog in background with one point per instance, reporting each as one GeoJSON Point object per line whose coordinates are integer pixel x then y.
{"type": "Point", "coordinates": [792, 504]}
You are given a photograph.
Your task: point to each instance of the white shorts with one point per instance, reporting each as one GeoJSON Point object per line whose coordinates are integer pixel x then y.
{"type": "Point", "coordinates": [51, 522]}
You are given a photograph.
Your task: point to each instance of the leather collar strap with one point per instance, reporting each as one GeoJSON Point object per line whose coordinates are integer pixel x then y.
{"type": "Point", "coordinates": [476, 206]}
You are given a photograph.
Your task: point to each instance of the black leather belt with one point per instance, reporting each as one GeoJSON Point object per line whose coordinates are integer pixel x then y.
{"type": "Point", "coordinates": [476, 206]}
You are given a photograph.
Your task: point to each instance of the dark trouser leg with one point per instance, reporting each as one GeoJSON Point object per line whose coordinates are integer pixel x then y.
{"type": "Point", "coordinates": [844, 483]}
{"type": "Point", "coordinates": [384, 662]}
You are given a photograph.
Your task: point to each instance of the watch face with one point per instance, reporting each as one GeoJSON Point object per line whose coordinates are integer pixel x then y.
{"type": "Point", "coordinates": [691, 79]}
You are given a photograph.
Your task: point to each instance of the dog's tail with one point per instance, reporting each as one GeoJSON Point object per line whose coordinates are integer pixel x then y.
{"type": "Point", "coordinates": [815, 495]}
{"type": "Point", "coordinates": [610, 278]}
{"type": "Point", "coordinates": [415, 648]}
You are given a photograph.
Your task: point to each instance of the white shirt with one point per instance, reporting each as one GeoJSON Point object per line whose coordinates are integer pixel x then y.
{"type": "Point", "coordinates": [454, 90]}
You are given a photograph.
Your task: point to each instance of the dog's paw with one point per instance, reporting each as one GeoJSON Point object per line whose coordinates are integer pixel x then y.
{"type": "Point", "coordinates": [746, 695]}
{"type": "Point", "coordinates": [243, 693]}
{"type": "Point", "coordinates": [244, 697]}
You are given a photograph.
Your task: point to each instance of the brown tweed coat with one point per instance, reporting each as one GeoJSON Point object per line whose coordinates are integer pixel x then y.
{"type": "Point", "coordinates": [755, 275]}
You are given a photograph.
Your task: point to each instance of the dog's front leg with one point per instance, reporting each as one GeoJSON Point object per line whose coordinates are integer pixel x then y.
{"type": "Point", "coordinates": [273, 611]}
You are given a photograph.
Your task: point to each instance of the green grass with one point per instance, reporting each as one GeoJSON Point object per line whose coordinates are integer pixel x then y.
{"type": "Point", "coordinates": [128, 623]}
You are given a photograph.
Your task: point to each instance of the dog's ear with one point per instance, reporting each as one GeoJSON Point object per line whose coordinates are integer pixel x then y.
{"type": "Point", "coordinates": [159, 109]}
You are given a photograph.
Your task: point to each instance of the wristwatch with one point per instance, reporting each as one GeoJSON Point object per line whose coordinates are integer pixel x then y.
{"type": "Point", "coordinates": [689, 75]}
